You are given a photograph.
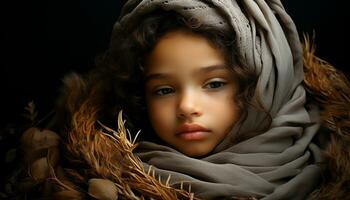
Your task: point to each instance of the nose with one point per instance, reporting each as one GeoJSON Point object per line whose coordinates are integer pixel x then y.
{"type": "Point", "coordinates": [188, 105]}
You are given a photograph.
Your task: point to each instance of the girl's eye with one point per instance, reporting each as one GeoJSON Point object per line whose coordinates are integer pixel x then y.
{"type": "Point", "coordinates": [215, 84]}
{"type": "Point", "coordinates": [163, 91]}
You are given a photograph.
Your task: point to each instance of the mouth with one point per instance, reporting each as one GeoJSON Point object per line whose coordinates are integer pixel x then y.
{"type": "Point", "coordinates": [192, 132]}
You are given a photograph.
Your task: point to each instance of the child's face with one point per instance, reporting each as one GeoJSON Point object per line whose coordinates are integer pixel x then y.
{"type": "Point", "coordinates": [189, 92]}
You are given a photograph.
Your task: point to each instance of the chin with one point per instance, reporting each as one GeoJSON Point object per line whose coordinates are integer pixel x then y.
{"type": "Point", "coordinates": [195, 153]}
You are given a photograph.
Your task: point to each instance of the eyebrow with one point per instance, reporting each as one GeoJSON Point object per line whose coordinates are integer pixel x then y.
{"type": "Point", "coordinates": [202, 70]}
{"type": "Point", "coordinates": [212, 68]}
{"type": "Point", "coordinates": [154, 76]}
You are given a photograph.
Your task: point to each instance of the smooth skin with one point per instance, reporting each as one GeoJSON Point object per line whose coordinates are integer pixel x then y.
{"type": "Point", "coordinates": [188, 82]}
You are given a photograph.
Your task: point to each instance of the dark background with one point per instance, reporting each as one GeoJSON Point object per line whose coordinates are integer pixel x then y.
{"type": "Point", "coordinates": [43, 40]}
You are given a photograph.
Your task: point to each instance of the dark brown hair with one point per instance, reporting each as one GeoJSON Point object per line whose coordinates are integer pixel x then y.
{"type": "Point", "coordinates": [117, 81]}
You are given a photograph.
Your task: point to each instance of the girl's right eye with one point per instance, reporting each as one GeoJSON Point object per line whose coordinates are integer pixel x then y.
{"type": "Point", "coordinates": [163, 91]}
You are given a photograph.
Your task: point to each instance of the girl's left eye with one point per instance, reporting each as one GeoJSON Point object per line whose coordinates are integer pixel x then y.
{"type": "Point", "coordinates": [215, 84]}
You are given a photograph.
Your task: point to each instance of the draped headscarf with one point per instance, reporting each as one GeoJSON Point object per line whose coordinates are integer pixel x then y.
{"type": "Point", "coordinates": [279, 163]}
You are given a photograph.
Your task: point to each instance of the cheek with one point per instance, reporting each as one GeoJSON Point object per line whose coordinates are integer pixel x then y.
{"type": "Point", "coordinates": [160, 114]}
{"type": "Point", "coordinates": [225, 108]}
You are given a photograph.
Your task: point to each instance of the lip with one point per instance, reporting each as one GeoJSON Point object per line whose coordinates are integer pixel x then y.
{"type": "Point", "coordinates": [192, 132]}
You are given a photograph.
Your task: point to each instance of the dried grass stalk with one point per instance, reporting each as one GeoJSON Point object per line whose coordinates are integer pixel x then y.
{"type": "Point", "coordinates": [110, 155]}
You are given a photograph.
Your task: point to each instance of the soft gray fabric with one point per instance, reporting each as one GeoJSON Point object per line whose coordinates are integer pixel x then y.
{"type": "Point", "coordinates": [274, 164]}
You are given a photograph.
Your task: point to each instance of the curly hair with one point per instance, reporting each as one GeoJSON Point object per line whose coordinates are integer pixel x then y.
{"type": "Point", "coordinates": [118, 80]}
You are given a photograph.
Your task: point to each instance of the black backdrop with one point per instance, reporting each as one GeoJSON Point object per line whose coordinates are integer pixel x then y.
{"type": "Point", "coordinates": [43, 40]}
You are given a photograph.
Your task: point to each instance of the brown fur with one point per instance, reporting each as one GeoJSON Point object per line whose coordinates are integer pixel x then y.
{"type": "Point", "coordinates": [331, 90]}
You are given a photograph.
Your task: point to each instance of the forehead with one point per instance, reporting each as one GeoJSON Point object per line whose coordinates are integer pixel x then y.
{"type": "Point", "coordinates": [182, 48]}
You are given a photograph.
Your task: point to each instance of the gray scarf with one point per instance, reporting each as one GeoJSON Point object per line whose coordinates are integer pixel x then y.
{"type": "Point", "coordinates": [279, 163]}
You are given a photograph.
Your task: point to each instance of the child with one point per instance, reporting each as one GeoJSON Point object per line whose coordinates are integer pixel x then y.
{"type": "Point", "coordinates": [221, 84]}
{"type": "Point", "coordinates": [215, 88]}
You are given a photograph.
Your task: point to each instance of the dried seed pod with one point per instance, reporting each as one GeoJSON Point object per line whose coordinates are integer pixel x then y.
{"type": "Point", "coordinates": [102, 189]}
{"type": "Point", "coordinates": [35, 142]}
{"type": "Point", "coordinates": [39, 170]}
{"type": "Point", "coordinates": [34, 138]}
{"type": "Point", "coordinates": [53, 155]}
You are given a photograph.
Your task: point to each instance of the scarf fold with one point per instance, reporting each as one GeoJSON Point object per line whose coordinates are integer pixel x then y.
{"type": "Point", "coordinates": [280, 163]}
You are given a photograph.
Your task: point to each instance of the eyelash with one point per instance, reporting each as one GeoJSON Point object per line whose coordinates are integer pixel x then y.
{"type": "Point", "coordinates": [168, 90]}
{"type": "Point", "coordinates": [215, 82]}
{"type": "Point", "coordinates": [163, 91]}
